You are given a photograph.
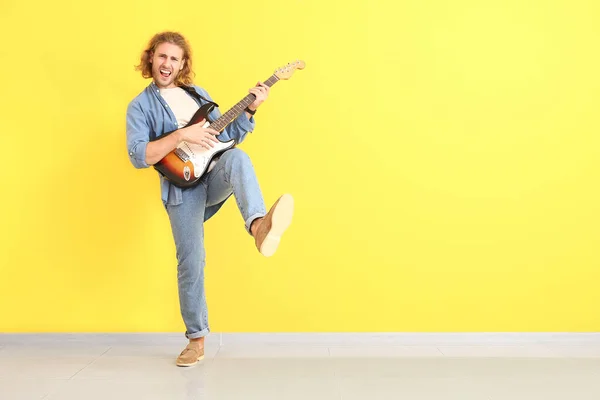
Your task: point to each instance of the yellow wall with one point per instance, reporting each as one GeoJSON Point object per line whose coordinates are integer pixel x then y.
{"type": "Point", "coordinates": [444, 158]}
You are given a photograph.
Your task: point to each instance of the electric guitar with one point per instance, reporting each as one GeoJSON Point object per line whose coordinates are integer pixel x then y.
{"type": "Point", "coordinates": [187, 164]}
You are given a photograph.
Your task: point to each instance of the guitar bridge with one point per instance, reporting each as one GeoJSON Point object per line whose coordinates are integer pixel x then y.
{"type": "Point", "coordinates": [183, 156]}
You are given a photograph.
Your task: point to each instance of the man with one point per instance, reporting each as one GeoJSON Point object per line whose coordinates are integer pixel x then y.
{"type": "Point", "coordinates": [164, 106]}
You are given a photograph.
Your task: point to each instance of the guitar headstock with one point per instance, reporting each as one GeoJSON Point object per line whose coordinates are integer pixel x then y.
{"type": "Point", "coordinates": [286, 71]}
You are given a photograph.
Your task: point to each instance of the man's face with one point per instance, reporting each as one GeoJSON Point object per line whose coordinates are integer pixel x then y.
{"type": "Point", "coordinates": [167, 62]}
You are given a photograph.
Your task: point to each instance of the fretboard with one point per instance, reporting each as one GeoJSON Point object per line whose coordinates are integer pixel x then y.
{"type": "Point", "coordinates": [239, 108]}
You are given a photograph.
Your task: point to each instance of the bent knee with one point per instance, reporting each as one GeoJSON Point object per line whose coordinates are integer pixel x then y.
{"type": "Point", "coordinates": [236, 155]}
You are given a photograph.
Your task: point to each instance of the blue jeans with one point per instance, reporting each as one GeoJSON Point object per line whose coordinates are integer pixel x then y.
{"type": "Point", "coordinates": [232, 174]}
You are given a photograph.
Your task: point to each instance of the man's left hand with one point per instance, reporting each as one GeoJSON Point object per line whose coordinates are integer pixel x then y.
{"type": "Point", "coordinates": [261, 91]}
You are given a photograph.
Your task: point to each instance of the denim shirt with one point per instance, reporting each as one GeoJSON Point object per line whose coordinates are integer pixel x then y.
{"type": "Point", "coordinates": [149, 116]}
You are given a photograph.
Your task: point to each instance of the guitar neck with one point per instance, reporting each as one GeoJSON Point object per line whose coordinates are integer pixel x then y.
{"type": "Point", "coordinates": [239, 107]}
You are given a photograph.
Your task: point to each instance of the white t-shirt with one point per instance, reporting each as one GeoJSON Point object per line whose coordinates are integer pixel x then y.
{"type": "Point", "coordinates": [182, 104]}
{"type": "Point", "coordinates": [184, 107]}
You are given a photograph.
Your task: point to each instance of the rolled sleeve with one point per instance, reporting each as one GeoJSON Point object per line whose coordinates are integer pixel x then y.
{"type": "Point", "coordinates": [239, 128]}
{"type": "Point", "coordinates": [138, 134]}
{"type": "Point", "coordinates": [245, 124]}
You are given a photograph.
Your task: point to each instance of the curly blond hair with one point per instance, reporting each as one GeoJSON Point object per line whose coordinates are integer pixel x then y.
{"type": "Point", "coordinates": [185, 75]}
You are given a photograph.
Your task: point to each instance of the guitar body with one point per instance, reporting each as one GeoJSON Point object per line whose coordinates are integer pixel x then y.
{"type": "Point", "coordinates": [187, 164]}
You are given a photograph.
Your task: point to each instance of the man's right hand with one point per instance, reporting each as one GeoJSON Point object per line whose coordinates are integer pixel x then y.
{"type": "Point", "coordinates": [196, 134]}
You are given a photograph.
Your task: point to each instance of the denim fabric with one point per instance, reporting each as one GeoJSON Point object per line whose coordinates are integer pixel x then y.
{"type": "Point", "coordinates": [149, 116]}
{"type": "Point", "coordinates": [232, 174]}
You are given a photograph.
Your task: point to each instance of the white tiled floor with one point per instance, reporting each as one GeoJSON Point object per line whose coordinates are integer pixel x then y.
{"type": "Point", "coordinates": [114, 369]}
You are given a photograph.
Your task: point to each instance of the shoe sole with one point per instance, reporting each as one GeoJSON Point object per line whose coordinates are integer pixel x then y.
{"type": "Point", "coordinates": [190, 364]}
{"type": "Point", "coordinates": [280, 221]}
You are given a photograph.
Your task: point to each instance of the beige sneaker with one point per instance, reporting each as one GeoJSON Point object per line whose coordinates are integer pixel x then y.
{"type": "Point", "coordinates": [272, 226]}
{"type": "Point", "coordinates": [190, 355]}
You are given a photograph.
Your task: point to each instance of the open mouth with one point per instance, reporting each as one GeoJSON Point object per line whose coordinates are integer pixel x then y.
{"type": "Point", "coordinates": [165, 73]}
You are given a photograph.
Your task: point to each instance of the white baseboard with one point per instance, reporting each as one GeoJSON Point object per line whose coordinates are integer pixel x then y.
{"type": "Point", "coordinates": [409, 339]}
{"type": "Point", "coordinates": [315, 339]}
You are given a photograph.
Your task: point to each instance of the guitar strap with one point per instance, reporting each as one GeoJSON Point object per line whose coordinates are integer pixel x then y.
{"type": "Point", "coordinates": [197, 96]}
